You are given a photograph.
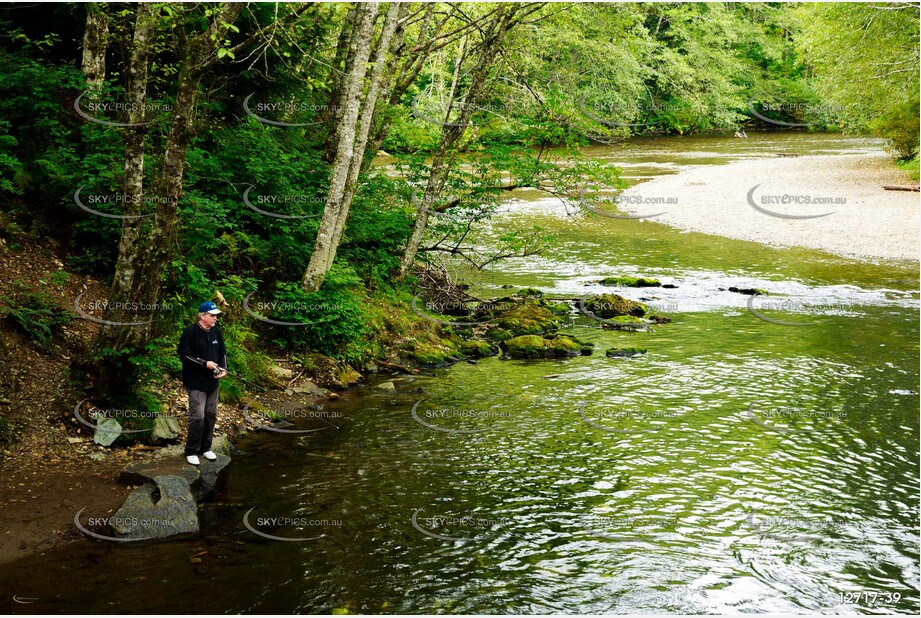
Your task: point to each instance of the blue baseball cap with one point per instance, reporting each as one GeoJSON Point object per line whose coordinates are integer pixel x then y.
{"type": "Point", "coordinates": [209, 307]}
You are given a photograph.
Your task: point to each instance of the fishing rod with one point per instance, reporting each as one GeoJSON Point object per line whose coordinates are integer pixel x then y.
{"type": "Point", "coordinates": [219, 369]}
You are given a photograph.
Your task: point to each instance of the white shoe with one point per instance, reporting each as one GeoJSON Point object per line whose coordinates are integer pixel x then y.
{"type": "Point", "coordinates": [209, 455]}
{"type": "Point", "coordinates": [192, 459]}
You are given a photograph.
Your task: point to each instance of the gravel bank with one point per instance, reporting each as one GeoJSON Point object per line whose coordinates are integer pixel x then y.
{"type": "Point", "coordinates": [870, 223]}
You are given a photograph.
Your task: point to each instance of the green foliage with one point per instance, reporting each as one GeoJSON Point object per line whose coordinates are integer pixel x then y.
{"type": "Point", "coordinates": [867, 65]}
{"type": "Point", "coordinates": [36, 315]}
{"type": "Point", "coordinates": [333, 319]}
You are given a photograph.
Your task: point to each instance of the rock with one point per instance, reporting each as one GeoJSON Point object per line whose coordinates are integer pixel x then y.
{"type": "Point", "coordinates": [281, 372]}
{"type": "Point", "coordinates": [203, 480]}
{"type": "Point", "coordinates": [166, 429]}
{"type": "Point", "coordinates": [624, 352]}
{"type": "Point", "coordinates": [475, 348]}
{"type": "Point", "coordinates": [386, 386]}
{"type": "Point", "coordinates": [631, 282]}
{"type": "Point", "coordinates": [627, 323]}
{"type": "Point", "coordinates": [221, 445]}
{"type": "Point", "coordinates": [607, 306]}
{"type": "Point", "coordinates": [213, 476]}
{"type": "Point", "coordinates": [525, 317]}
{"type": "Point", "coordinates": [97, 456]}
{"type": "Point", "coordinates": [158, 509]}
{"type": "Point", "coordinates": [107, 430]}
{"type": "Point", "coordinates": [75, 440]}
{"type": "Point", "coordinates": [749, 291]}
{"type": "Point", "coordinates": [655, 318]}
{"type": "Point", "coordinates": [669, 286]}
{"type": "Point", "coordinates": [535, 346]}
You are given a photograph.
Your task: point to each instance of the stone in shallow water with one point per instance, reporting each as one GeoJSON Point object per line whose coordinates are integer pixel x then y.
{"type": "Point", "coordinates": [203, 480]}
{"type": "Point", "coordinates": [161, 508]}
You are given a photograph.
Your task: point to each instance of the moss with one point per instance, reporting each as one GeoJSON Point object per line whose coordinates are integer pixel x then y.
{"type": "Point", "coordinates": [498, 335]}
{"type": "Point", "coordinates": [527, 318]}
{"type": "Point", "coordinates": [557, 309]}
{"type": "Point", "coordinates": [608, 306]}
{"type": "Point", "coordinates": [624, 352]}
{"type": "Point", "coordinates": [535, 346]}
{"type": "Point", "coordinates": [529, 293]}
{"type": "Point", "coordinates": [476, 348]}
{"type": "Point", "coordinates": [632, 282]}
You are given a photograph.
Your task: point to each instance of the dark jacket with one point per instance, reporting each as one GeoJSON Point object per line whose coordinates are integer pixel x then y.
{"type": "Point", "coordinates": [196, 347]}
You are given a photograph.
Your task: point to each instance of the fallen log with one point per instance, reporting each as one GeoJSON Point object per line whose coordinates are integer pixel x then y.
{"type": "Point", "coordinates": [901, 188]}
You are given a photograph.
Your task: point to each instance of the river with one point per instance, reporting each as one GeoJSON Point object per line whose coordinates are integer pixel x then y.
{"type": "Point", "coordinates": [758, 458]}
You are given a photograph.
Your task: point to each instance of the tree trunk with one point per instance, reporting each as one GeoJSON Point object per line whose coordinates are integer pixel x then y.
{"type": "Point", "coordinates": [443, 157]}
{"type": "Point", "coordinates": [95, 43]}
{"type": "Point", "coordinates": [142, 258]}
{"type": "Point", "coordinates": [324, 249]}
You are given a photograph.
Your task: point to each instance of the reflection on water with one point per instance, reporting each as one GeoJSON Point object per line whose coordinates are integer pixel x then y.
{"type": "Point", "coordinates": [739, 466]}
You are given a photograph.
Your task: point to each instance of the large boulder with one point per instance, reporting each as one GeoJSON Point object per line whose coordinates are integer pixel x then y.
{"type": "Point", "coordinates": [158, 509]}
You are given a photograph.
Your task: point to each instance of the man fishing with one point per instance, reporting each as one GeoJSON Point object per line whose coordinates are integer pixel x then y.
{"type": "Point", "coordinates": [204, 361]}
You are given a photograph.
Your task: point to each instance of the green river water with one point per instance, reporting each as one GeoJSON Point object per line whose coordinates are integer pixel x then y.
{"type": "Point", "coordinates": [740, 466]}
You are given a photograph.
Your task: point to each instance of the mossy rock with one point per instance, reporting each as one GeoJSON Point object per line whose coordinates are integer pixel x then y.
{"type": "Point", "coordinates": [632, 282]}
{"type": "Point", "coordinates": [529, 293]}
{"type": "Point", "coordinates": [498, 335]}
{"type": "Point", "coordinates": [477, 348]}
{"type": "Point", "coordinates": [607, 306]}
{"type": "Point", "coordinates": [559, 309]}
{"type": "Point", "coordinates": [627, 323]}
{"type": "Point", "coordinates": [526, 318]}
{"type": "Point", "coordinates": [624, 352]}
{"type": "Point", "coordinates": [535, 346]}
{"type": "Point", "coordinates": [656, 318]}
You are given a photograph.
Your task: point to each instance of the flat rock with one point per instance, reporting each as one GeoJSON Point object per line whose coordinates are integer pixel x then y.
{"type": "Point", "coordinates": [166, 429]}
{"type": "Point", "coordinates": [203, 480]}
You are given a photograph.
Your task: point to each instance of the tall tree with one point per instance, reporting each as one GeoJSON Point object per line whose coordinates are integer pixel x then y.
{"type": "Point", "coordinates": [352, 132]}
{"type": "Point", "coordinates": [95, 44]}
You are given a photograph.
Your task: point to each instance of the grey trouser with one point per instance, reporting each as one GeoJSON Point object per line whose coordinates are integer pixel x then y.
{"type": "Point", "coordinates": [202, 417]}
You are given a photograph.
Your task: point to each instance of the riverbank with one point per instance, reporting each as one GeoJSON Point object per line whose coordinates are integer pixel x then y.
{"type": "Point", "coordinates": [867, 221]}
